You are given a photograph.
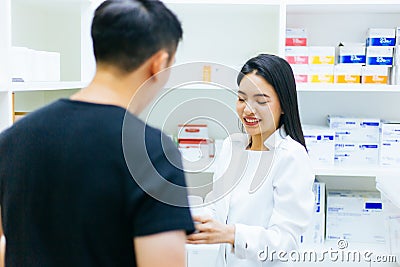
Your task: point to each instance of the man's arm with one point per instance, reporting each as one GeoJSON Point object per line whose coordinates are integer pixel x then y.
{"type": "Point", "coordinates": [166, 249]}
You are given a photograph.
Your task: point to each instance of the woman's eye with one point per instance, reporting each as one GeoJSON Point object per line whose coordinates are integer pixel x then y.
{"type": "Point", "coordinates": [241, 100]}
{"type": "Point", "coordinates": [262, 102]}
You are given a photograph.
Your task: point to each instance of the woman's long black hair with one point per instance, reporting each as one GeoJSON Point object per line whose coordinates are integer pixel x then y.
{"type": "Point", "coordinates": [278, 73]}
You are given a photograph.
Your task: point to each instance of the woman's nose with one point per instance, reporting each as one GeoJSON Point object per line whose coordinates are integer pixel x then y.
{"type": "Point", "coordinates": [248, 109]}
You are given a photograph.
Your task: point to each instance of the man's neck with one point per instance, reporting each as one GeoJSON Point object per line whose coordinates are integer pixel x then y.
{"type": "Point", "coordinates": [110, 87]}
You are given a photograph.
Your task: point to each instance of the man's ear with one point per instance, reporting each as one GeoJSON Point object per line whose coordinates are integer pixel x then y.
{"type": "Point", "coordinates": [159, 62]}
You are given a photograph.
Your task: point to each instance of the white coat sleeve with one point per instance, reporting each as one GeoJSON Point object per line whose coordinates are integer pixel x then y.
{"type": "Point", "coordinates": [292, 211]}
{"type": "Point", "coordinates": [221, 165]}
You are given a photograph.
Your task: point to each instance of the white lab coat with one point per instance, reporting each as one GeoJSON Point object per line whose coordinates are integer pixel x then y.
{"type": "Point", "coordinates": [271, 211]}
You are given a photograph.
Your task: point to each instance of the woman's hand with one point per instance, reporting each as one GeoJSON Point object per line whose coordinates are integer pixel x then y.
{"type": "Point", "coordinates": [210, 231]}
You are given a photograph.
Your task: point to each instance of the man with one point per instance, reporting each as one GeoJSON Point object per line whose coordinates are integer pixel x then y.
{"type": "Point", "coordinates": [76, 175]}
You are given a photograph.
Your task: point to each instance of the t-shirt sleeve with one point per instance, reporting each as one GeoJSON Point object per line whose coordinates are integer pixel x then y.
{"type": "Point", "coordinates": [162, 203]}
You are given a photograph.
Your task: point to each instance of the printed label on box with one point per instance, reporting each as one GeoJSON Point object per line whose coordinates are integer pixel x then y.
{"type": "Point", "coordinates": [382, 41]}
{"type": "Point", "coordinates": [321, 78]}
{"type": "Point", "coordinates": [297, 59]}
{"type": "Point", "coordinates": [375, 79]}
{"type": "Point", "coordinates": [347, 79]}
{"type": "Point", "coordinates": [322, 60]}
{"type": "Point", "coordinates": [296, 42]}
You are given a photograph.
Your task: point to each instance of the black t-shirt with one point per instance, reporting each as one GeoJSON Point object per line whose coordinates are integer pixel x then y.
{"type": "Point", "coordinates": [68, 196]}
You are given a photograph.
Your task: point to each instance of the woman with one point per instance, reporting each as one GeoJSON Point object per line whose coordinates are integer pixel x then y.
{"type": "Point", "coordinates": [262, 193]}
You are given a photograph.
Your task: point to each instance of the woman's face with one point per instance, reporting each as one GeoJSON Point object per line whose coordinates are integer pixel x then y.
{"type": "Point", "coordinates": [258, 105]}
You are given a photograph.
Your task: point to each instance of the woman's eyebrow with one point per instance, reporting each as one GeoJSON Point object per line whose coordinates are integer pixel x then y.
{"type": "Point", "coordinates": [262, 95]}
{"type": "Point", "coordinates": [241, 92]}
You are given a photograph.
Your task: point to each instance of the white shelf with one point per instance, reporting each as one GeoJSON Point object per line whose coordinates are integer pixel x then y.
{"type": "Point", "coordinates": [343, 6]}
{"type": "Point", "coordinates": [42, 86]}
{"type": "Point", "coordinates": [368, 171]}
{"type": "Point", "coordinates": [320, 87]}
{"type": "Point", "coordinates": [311, 87]}
{"type": "Point", "coordinates": [199, 86]}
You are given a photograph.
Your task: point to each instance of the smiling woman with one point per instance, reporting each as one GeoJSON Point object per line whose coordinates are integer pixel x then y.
{"type": "Point", "coordinates": [262, 192]}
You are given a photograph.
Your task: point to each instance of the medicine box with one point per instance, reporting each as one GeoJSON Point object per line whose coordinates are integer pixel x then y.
{"type": "Point", "coordinates": [350, 129]}
{"type": "Point", "coordinates": [296, 37]}
{"type": "Point", "coordinates": [390, 144]}
{"type": "Point", "coordinates": [390, 153]}
{"type": "Point", "coordinates": [29, 65]}
{"type": "Point", "coordinates": [315, 233]}
{"type": "Point", "coordinates": [351, 54]}
{"type": "Point", "coordinates": [321, 73]}
{"type": "Point", "coordinates": [390, 131]}
{"type": "Point", "coordinates": [320, 144]}
{"type": "Point", "coordinates": [397, 35]}
{"type": "Point", "coordinates": [374, 74]}
{"type": "Point", "coordinates": [395, 75]}
{"type": "Point", "coordinates": [379, 55]}
{"type": "Point", "coordinates": [301, 73]}
{"type": "Point", "coordinates": [321, 55]}
{"type": "Point", "coordinates": [296, 54]}
{"type": "Point", "coordinates": [381, 37]}
{"type": "Point", "coordinates": [355, 216]}
{"type": "Point", "coordinates": [388, 186]}
{"type": "Point", "coordinates": [345, 73]}
{"type": "Point", "coordinates": [192, 131]}
{"type": "Point", "coordinates": [356, 153]}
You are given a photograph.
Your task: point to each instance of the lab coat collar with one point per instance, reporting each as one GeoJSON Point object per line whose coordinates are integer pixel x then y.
{"type": "Point", "coordinates": [276, 138]}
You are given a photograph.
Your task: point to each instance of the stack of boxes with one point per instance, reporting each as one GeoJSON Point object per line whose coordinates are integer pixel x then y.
{"type": "Point", "coordinates": [357, 140]}
{"type": "Point", "coordinates": [369, 63]}
{"type": "Point", "coordinates": [390, 144]}
{"type": "Point", "coordinates": [321, 63]}
{"type": "Point", "coordinates": [395, 70]}
{"type": "Point", "coordinates": [351, 57]}
{"type": "Point", "coordinates": [350, 141]}
{"type": "Point", "coordinates": [296, 53]}
{"type": "Point", "coordinates": [30, 65]}
{"type": "Point", "coordinates": [194, 143]}
{"type": "Point", "coordinates": [379, 55]}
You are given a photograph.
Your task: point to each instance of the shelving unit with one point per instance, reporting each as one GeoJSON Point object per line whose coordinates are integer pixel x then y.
{"type": "Point", "coordinates": [45, 86]}
{"type": "Point", "coordinates": [377, 88]}
{"type": "Point", "coordinates": [47, 25]}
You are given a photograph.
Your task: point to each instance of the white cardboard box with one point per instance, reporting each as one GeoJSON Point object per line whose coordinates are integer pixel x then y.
{"type": "Point", "coordinates": [351, 54]}
{"type": "Point", "coordinates": [321, 55]}
{"type": "Point", "coordinates": [355, 216]}
{"type": "Point", "coordinates": [375, 74]}
{"type": "Point", "coordinates": [390, 153]}
{"type": "Point", "coordinates": [320, 144]}
{"type": "Point", "coordinates": [379, 55]}
{"type": "Point", "coordinates": [381, 37]}
{"type": "Point", "coordinates": [296, 37]}
{"type": "Point", "coordinates": [388, 186]}
{"type": "Point", "coordinates": [347, 73]}
{"type": "Point", "coordinates": [296, 54]}
{"type": "Point", "coordinates": [321, 73]}
{"type": "Point", "coordinates": [350, 129]}
{"type": "Point", "coordinates": [315, 233]}
{"type": "Point", "coordinates": [301, 73]}
{"type": "Point", "coordinates": [356, 153]}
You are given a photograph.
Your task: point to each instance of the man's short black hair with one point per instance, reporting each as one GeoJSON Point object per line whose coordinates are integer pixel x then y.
{"type": "Point", "coordinates": [127, 32]}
